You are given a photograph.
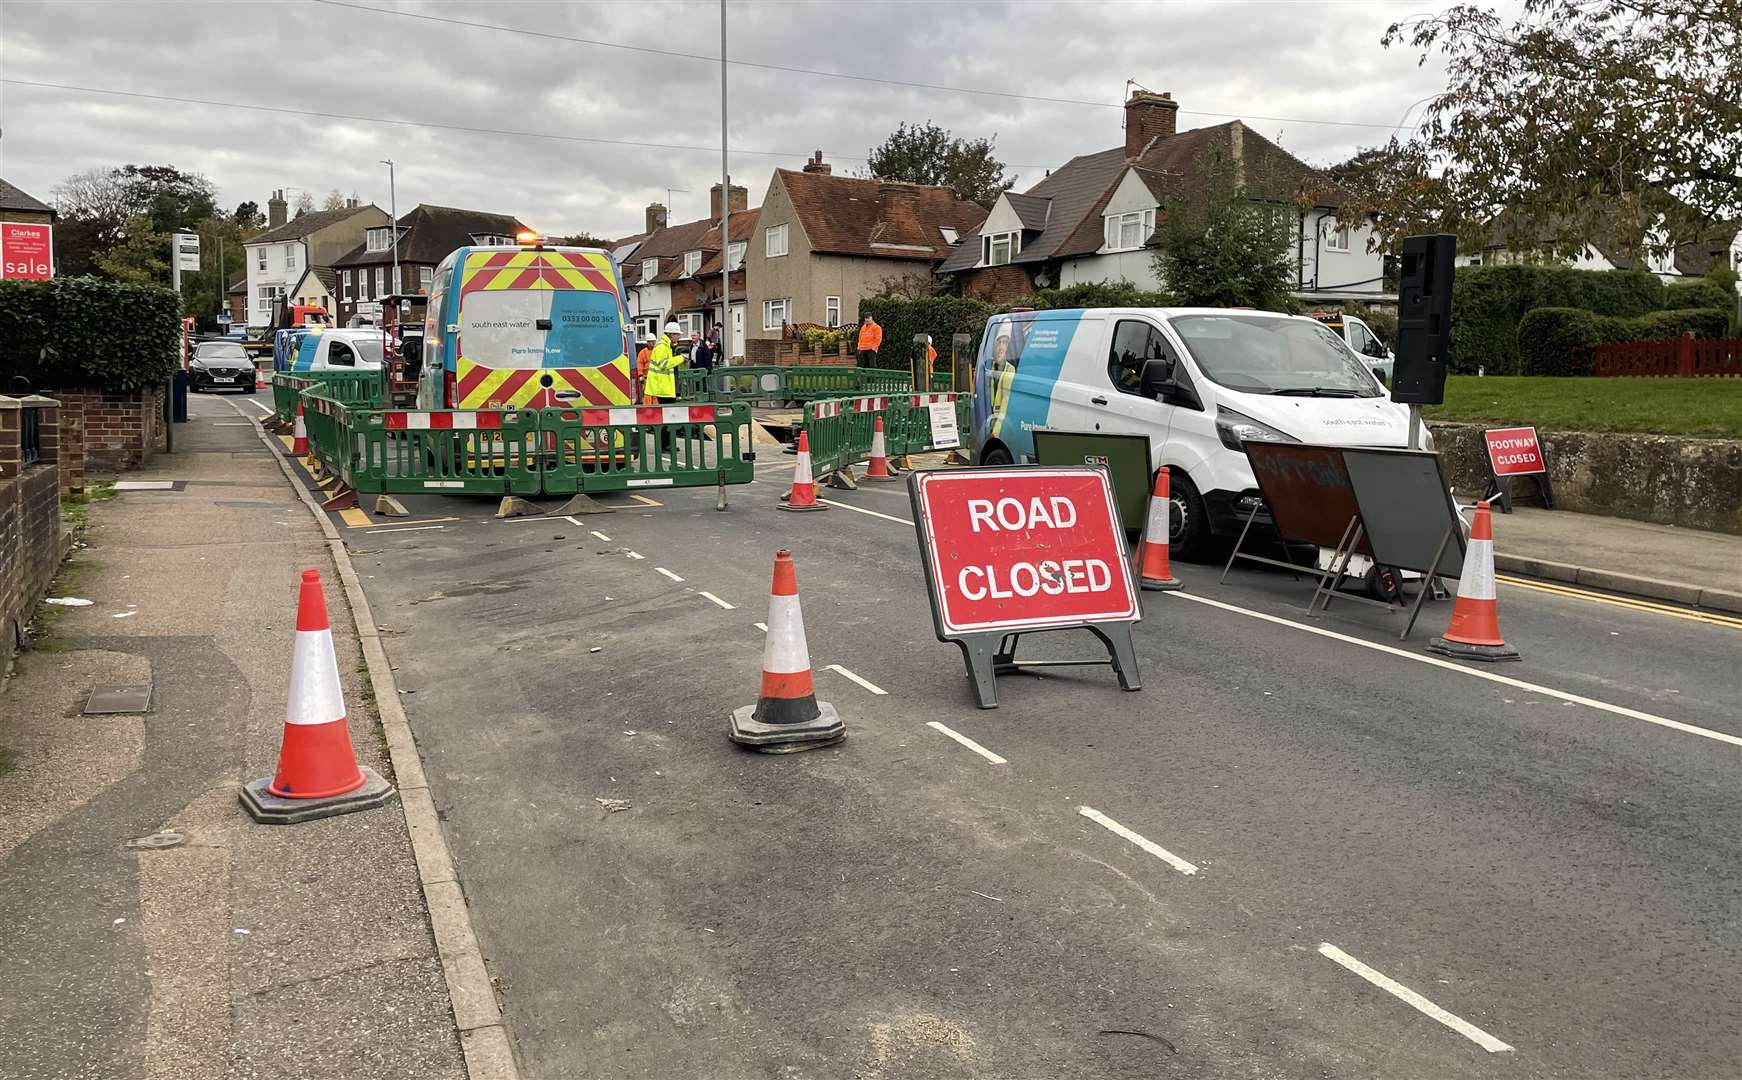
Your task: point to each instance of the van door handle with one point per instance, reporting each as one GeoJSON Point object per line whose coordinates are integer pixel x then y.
{"type": "Point", "coordinates": [1099, 400]}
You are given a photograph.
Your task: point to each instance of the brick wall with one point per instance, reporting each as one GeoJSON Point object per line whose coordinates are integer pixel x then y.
{"type": "Point", "coordinates": [773, 351]}
{"type": "Point", "coordinates": [995, 283]}
{"type": "Point", "coordinates": [120, 430]}
{"type": "Point", "coordinates": [32, 541]}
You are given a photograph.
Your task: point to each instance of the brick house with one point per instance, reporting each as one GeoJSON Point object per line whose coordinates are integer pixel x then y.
{"type": "Point", "coordinates": [1098, 217]}
{"type": "Point", "coordinates": [823, 241]}
{"type": "Point", "coordinates": [278, 257]}
{"type": "Point", "coordinates": [17, 205]}
{"type": "Point", "coordinates": [673, 272]}
{"type": "Point", "coordinates": [427, 235]}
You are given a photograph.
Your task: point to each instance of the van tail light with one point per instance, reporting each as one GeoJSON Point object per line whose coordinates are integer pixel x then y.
{"type": "Point", "coordinates": [448, 401]}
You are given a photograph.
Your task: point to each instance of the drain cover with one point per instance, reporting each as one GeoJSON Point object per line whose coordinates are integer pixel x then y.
{"type": "Point", "coordinates": [118, 699]}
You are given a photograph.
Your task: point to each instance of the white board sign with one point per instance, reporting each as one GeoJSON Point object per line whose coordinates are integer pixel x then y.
{"type": "Point", "coordinates": [944, 435]}
{"type": "Point", "coordinates": [187, 251]}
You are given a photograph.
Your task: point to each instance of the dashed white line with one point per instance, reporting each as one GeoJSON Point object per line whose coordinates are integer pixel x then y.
{"type": "Point", "coordinates": [263, 408]}
{"type": "Point", "coordinates": [601, 536]}
{"type": "Point", "coordinates": [969, 743]}
{"type": "Point", "coordinates": [862, 510]}
{"type": "Point", "coordinates": [668, 573]}
{"type": "Point", "coordinates": [1517, 684]}
{"type": "Point", "coordinates": [634, 554]}
{"type": "Point", "coordinates": [574, 521]}
{"type": "Point", "coordinates": [1398, 990]}
{"type": "Point", "coordinates": [762, 626]}
{"type": "Point", "coordinates": [866, 683]}
{"type": "Point", "coordinates": [717, 600]}
{"type": "Point", "coordinates": [1150, 846]}
{"type": "Point", "coordinates": [407, 528]}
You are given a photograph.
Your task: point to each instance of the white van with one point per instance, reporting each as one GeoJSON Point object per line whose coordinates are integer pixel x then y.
{"type": "Point", "coordinates": [1200, 382]}
{"type": "Point", "coordinates": [324, 349]}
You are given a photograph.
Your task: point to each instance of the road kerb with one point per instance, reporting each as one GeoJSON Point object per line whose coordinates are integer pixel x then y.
{"type": "Point", "coordinates": [477, 1017]}
{"type": "Point", "coordinates": [1675, 592]}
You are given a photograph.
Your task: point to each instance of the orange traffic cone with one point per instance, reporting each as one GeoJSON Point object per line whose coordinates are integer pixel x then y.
{"type": "Point", "coordinates": [803, 495]}
{"type": "Point", "coordinates": [317, 772]}
{"type": "Point", "coordinates": [1474, 633]}
{"type": "Point", "coordinates": [878, 467]}
{"type": "Point", "coordinates": [787, 716]}
{"type": "Point", "coordinates": [299, 434]}
{"type": "Point", "coordinates": [1156, 575]}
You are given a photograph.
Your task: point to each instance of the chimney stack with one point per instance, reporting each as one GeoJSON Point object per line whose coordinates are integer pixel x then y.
{"type": "Point", "coordinates": [740, 200]}
{"type": "Point", "coordinates": [815, 164]}
{"type": "Point", "coordinates": [275, 210]}
{"type": "Point", "coordinates": [655, 219]}
{"type": "Point", "coordinates": [1148, 117]}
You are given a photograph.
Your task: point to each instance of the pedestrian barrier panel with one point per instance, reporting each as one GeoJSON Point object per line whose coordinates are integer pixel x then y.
{"type": "Point", "coordinates": [692, 383]}
{"type": "Point", "coordinates": [748, 383]}
{"type": "Point", "coordinates": [365, 388]}
{"type": "Point", "coordinates": [622, 449]}
{"type": "Point", "coordinates": [840, 430]}
{"type": "Point", "coordinates": [396, 451]}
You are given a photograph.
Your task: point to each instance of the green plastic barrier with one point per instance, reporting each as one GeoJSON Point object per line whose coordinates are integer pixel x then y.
{"type": "Point", "coordinates": [367, 388]}
{"type": "Point", "coordinates": [397, 451]}
{"type": "Point", "coordinates": [748, 382]}
{"type": "Point", "coordinates": [692, 383]}
{"type": "Point", "coordinates": [692, 445]}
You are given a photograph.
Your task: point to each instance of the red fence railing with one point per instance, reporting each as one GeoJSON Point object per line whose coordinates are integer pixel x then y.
{"type": "Point", "coordinates": [1683, 357]}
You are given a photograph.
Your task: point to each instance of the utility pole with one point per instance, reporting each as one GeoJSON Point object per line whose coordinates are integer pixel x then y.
{"type": "Point", "coordinates": [725, 210]}
{"type": "Point", "coordinates": [393, 209]}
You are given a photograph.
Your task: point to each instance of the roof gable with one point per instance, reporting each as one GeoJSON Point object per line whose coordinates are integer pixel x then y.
{"type": "Point", "coordinates": [15, 198]}
{"type": "Point", "coordinates": [301, 226]}
{"type": "Point", "coordinates": [845, 215]}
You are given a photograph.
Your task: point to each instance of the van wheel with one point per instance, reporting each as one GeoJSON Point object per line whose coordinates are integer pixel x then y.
{"type": "Point", "coordinates": [1188, 527]}
{"type": "Point", "coordinates": [996, 456]}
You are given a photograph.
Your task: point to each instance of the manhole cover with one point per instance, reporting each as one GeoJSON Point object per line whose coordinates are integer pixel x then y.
{"type": "Point", "coordinates": [118, 699]}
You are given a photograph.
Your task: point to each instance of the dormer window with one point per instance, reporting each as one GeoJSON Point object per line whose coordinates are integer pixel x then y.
{"type": "Point", "coordinates": [649, 269]}
{"type": "Point", "coordinates": [493, 240]}
{"type": "Point", "coordinates": [378, 239]}
{"type": "Point", "coordinates": [1128, 232]}
{"type": "Point", "coordinates": [692, 261]}
{"type": "Point", "coordinates": [950, 235]}
{"type": "Point", "coordinates": [999, 248]}
{"type": "Point", "coordinates": [737, 249]}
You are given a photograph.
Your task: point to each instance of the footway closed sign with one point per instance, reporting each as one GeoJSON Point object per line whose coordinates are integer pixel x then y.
{"type": "Point", "coordinates": [1021, 548]}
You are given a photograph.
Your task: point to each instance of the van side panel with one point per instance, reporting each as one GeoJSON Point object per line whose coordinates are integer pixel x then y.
{"type": "Point", "coordinates": [1016, 373]}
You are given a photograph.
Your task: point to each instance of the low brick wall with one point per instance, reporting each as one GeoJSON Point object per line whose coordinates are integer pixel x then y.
{"type": "Point", "coordinates": [1691, 483]}
{"type": "Point", "coordinates": [32, 541]}
{"type": "Point", "coordinates": [779, 353]}
{"type": "Point", "coordinates": [120, 430]}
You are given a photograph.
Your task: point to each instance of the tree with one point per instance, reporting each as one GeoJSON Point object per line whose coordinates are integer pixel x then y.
{"type": "Point", "coordinates": [304, 203]}
{"type": "Point", "coordinates": [589, 240]}
{"type": "Point", "coordinates": [140, 258]}
{"type": "Point", "coordinates": [248, 217]}
{"type": "Point", "coordinates": [98, 208]}
{"type": "Point", "coordinates": [333, 201]}
{"type": "Point", "coordinates": [1583, 118]}
{"type": "Point", "coordinates": [1223, 248]}
{"type": "Point", "coordinates": [1392, 187]}
{"type": "Point", "coordinates": [927, 154]}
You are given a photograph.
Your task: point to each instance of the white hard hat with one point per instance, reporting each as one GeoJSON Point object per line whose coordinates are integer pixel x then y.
{"type": "Point", "coordinates": [673, 328]}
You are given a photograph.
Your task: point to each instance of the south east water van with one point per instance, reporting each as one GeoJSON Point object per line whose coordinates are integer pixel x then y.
{"type": "Point", "coordinates": [525, 327]}
{"type": "Point", "coordinates": [1199, 382]}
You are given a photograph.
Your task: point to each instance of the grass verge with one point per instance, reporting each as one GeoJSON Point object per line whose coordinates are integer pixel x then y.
{"type": "Point", "coordinates": [1710, 408]}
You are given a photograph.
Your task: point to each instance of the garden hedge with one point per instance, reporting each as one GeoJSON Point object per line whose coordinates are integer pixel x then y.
{"type": "Point", "coordinates": [1698, 293]}
{"type": "Point", "coordinates": [939, 316]}
{"type": "Point", "coordinates": [1488, 303]}
{"type": "Point", "coordinates": [1562, 341]}
{"type": "Point", "coordinates": [82, 332]}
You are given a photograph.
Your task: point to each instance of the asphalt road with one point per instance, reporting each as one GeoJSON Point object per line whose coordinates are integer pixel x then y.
{"type": "Point", "coordinates": [1542, 857]}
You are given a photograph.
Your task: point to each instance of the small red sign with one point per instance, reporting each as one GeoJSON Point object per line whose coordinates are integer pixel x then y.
{"type": "Point", "coordinates": [1024, 547]}
{"type": "Point", "coordinates": [26, 251]}
{"type": "Point", "coordinates": [1514, 451]}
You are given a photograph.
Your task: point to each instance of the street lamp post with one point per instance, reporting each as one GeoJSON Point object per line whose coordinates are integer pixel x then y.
{"type": "Point", "coordinates": [725, 210]}
{"type": "Point", "coordinates": [393, 209]}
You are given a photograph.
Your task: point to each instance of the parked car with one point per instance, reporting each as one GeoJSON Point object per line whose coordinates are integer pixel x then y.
{"type": "Point", "coordinates": [1199, 382]}
{"type": "Point", "coordinates": [220, 365]}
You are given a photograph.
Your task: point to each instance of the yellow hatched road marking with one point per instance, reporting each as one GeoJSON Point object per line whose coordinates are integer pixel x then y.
{"type": "Point", "coordinates": [355, 518]}
{"type": "Point", "coordinates": [647, 501]}
{"type": "Point", "coordinates": [395, 522]}
{"type": "Point", "coordinates": [1713, 618]}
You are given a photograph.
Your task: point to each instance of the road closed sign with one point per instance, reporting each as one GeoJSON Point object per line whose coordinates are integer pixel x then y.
{"type": "Point", "coordinates": [1514, 451]}
{"type": "Point", "coordinates": [1022, 548]}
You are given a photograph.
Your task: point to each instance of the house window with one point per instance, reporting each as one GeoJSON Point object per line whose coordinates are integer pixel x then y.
{"type": "Point", "coordinates": [692, 261]}
{"type": "Point", "coordinates": [950, 235]}
{"type": "Point", "coordinates": [774, 240]}
{"type": "Point", "coordinates": [290, 256]}
{"type": "Point", "coordinates": [378, 239]}
{"type": "Point", "coordinates": [260, 258]}
{"type": "Point", "coordinates": [1128, 232]}
{"type": "Point", "coordinates": [381, 281]}
{"type": "Point", "coordinates": [691, 323]}
{"type": "Point", "coordinates": [345, 292]}
{"type": "Point", "coordinates": [647, 327]}
{"type": "Point", "coordinates": [832, 311]}
{"type": "Point", "coordinates": [425, 279]}
{"type": "Point", "coordinates": [735, 259]}
{"type": "Point", "coordinates": [776, 312]}
{"type": "Point", "coordinates": [1337, 238]}
{"type": "Point", "coordinates": [999, 248]}
{"type": "Point", "coordinates": [494, 240]}
{"type": "Point", "coordinates": [649, 270]}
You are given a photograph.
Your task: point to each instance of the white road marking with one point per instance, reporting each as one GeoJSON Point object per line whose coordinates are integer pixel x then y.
{"type": "Point", "coordinates": [970, 744]}
{"type": "Point", "coordinates": [762, 626]}
{"type": "Point", "coordinates": [263, 408]}
{"type": "Point", "coordinates": [866, 683]}
{"type": "Point", "coordinates": [722, 603]}
{"type": "Point", "coordinates": [530, 518]}
{"type": "Point", "coordinates": [862, 510]}
{"type": "Point", "coordinates": [1150, 846]}
{"type": "Point", "coordinates": [668, 573]}
{"type": "Point", "coordinates": [575, 522]}
{"type": "Point", "coordinates": [408, 528]}
{"type": "Point", "coordinates": [634, 554]}
{"type": "Point", "coordinates": [1396, 989]}
{"type": "Point", "coordinates": [597, 533]}
{"type": "Point", "coordinates": [1518, 684]}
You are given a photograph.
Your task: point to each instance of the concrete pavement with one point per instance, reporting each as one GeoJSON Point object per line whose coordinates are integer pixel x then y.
{"type": "Point", "coordinates": [1684, 566]}
{"type": "Point", "coordinates": [1545, 853]}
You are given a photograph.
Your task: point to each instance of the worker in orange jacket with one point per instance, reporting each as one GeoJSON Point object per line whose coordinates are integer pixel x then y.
{"type": "Point", "coordinates": [870, 341]}
{"type": "Point", "coordinates": [641, 359]}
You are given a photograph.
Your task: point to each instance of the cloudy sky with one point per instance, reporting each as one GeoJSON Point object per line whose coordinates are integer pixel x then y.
{"type": "Point", "coordinates": [1287, 68]}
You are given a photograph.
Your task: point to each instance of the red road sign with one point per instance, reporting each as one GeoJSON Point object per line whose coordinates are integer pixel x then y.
{"type": "Point", "coordinates": [26, 250]}
{"type": "Point", "coordinates": [1514, 451]}
{"type": "Point", "coordinates": [1022, 548]}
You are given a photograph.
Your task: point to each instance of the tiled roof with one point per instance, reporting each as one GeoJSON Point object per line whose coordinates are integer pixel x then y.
{"type": "Point", "coordinates": [667, 245]}
{"type": "Point", "coordinates": [1070, 191]}
{"type": "Point", "coordinates": [843, 215]}
{"type": "Point", "coordinates": [313, 221]}
{"type": "Point", "coordinates": [428, 234]}
{"type": "Point", "coordinates": [13, 198]}
{"type": "Point", "coordinates": [1032, 210]}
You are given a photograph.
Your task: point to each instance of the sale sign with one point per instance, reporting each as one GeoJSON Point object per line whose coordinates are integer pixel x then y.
{"type": "Point", "coordinates": [26, 251]}
{"type": "Point", "coordinates": [1020, 548]}
{"type": "Point", "coordinates": [1514, 451]}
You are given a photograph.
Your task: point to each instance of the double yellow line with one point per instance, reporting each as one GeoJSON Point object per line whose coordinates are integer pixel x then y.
{"type": "Point", "coordinates": [1712, 617]}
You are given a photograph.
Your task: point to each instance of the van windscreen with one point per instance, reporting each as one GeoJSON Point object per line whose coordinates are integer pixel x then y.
{"type": "Point", "coordinates": [1268, 355]}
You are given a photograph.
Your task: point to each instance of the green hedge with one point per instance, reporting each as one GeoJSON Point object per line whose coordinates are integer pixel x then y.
{"type": "Point", "coordinates": [76, 332]}
{"type": "Point", "coordinates": [1092, 295]}
{"type": "Point", "coordinates": [1698, 293]}
{"type": "Point", "coordinates": [1489, 302]}
{"type": "Point", "coordinates": [1561, 341]}
{"type": "Point", "coordinates": [939, 316]}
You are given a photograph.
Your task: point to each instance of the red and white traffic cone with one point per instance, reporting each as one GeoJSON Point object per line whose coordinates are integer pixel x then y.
{"type": "Point", "coordinates": [1474, 633]}
{"type": "Point", "coordinates": [1156, 574]}
{"type": "Point", "coordinates": [299, 434]}
{"type": "Point", "coordinates": [787, 715]}
{"type": "Point", "coordinates": [317, 772]}
{"type": "Point", "coordinates": [877, 468]}
{"type": "Point", "coordinates": [803, 495]}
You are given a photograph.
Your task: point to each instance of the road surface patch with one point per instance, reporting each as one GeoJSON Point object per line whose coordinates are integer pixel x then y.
{"type": "Point", "coordinates": [1150, 846]}
{"type": "Point", "coordinates": [1414, 1000]}
{"type": "Point", "coordinates": [996, 759]}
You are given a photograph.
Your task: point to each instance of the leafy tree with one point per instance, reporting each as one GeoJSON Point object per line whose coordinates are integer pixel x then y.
{"type": "Point", "coordinates": [172, 199]}
{"type": "Point", "coordinates": [1393, 187]}
{"type": "Point", "coordinates": [589, 240]}
{"type": "Point", "coordinates": [1222, 248]}
{"type": "Point", "coordinates": [927, 154]}
{"type": "Point", "coordinates": [140, 258]}
{"type": "Point", "coordinates": [1585, 117]}
{"type": "Point", "coordinates": [248, 217]}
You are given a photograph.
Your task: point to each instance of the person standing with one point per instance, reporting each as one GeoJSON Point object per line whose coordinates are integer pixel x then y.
{"type": "Point", "coordinates": [641, 359]}
{"type": "Point", "coordinates": [662, 365]}
{"type": "Point", "coordinates": [870, 341]}
{"type": "Point", "coordinates": [703, 355]}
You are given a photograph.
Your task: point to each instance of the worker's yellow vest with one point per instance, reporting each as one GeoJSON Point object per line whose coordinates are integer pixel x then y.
{"type": "Point", "coordinates": [660, 380]}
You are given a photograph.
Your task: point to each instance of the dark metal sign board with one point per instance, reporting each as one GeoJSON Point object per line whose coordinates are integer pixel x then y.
{"type": "Point", "coordinates": [1126, 458]}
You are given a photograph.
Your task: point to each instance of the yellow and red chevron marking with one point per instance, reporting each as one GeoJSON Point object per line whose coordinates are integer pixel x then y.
{"type": "Point", "coordinates": [480, 387]}
{"type": "Point", "coordinates": [488, 271]}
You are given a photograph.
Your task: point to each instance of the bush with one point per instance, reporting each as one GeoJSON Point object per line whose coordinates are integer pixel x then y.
{"type": "Point", "coordinates": [1092, 295]}
{"type": "Point", "coordinates": [1561, 341]}
{"type": "Point", "coordinates": [1488, 303]}
{"type": "Point", "coordinates": [1698, 293]}
{"type": "Point", "coordinates": [78, 332]}
{"type": "Point", "coordinates": [1664, 325]}
{"type": "Point", "coordinates": [939, 316]}
{"type": "Point", "coordinates": [826, 338]}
